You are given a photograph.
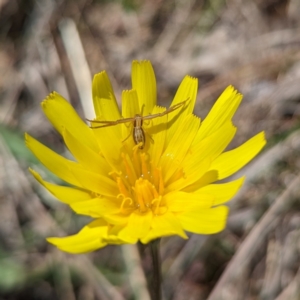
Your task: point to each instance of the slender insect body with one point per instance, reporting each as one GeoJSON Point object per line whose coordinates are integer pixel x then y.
{"type": "Point", "coordinates": [138, 131]}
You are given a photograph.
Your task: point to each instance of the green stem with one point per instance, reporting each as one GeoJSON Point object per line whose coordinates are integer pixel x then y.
{"type": "Point", "coordinates": [156, 279]}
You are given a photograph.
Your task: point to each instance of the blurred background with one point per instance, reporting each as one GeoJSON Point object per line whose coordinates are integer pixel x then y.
{"type": "Point", "coordinates": [59, 45]}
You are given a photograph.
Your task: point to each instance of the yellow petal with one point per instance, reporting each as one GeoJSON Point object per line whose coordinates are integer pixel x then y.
{"type": "Point", "coordinates": [187, 91]}
{"type": "Point", "coordinates": [138, 225]}
{"type": "Point", "coordinates": [195, 181]}
{"type": "Point", "coordinates": [130, 104]}
{"type": "Point", "coordinates": [178, 201]}
{"type": "Point", "coordinates": [222, 192]}
{"type": "Point", "coordinates": [62, 115]}
{"type": "Point", "coordinates": [130, 108]}
{"type": "Point", "coordinates": [222, 112]}
{"type": "Point", "coordinates": [207, 178]}
{"type": "Point", "coordinates": [214, 144]}
{"type": "Point", "coordinates": [101, 88]}
{"type": "Point", "coordinates": [157, 134]}
{"type": "Point", "coordinates": [179, 145]}
{"type": "Point", "coordinates": [80, 247]}
{"type": "Point", "coordinates": [113, 238]}
{"type": "Point", "coordinates": [110, 143]}
{"type": "Point", "coordinates": [117, 219]}
{"type": "Point", "coordinates": [164, 225]}
{"type": "Point", "coordinates": [109, 110]}
{"type": "Point", "coordinates": [86, 156]}
{"type": "Point", "coordinates": [144, 82]}
{"type": "Point", "coordinates": [204, 221]}
{"type": "Point", "coordinates": [210, 147]}
{"type": "Point", "coordinates": [55, 163]}
{"type": "Point", "coordinates": [231, 161]}
{"type": "Point", "coordinates": [96, 207]}
{"type": "Point", "coordinates": [87, 240]}
{"type": "Point", "coordinates": [65, 194]}
{"type": "Point", "coordinates": [96, 182]}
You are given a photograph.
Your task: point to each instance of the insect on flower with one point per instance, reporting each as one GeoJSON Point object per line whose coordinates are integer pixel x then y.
{"type": "Point", "coordinates": [138, 131]}
{"type": "Point", "coordinates": [134, 196]}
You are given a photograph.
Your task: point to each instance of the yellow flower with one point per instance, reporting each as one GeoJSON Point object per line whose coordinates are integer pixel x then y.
{"type": "Point", "coordinates": [162, 187]}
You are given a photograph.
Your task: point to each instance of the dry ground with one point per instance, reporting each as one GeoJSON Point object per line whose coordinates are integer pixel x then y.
{"type": "Point", "coordinates": [57, 45]}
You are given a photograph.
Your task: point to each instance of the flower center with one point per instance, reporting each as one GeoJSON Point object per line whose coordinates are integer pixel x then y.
{"type": "Point", "coordinates": [140, 184]}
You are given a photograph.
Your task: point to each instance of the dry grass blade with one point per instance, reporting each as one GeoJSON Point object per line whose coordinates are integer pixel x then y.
{"type": "Point", "coordinates": [135, 272]}
{"type": "Point", "coordinates": [182, 263]}
{"type": "Point", "coordinates": [50, 45]}
{"type": "Point", "coordinates": [177, 20]}
{"type": "Point", "coordinates": [227, 284]}
{"type": "Point", "coordinates": [265, 162]}
{"type": "Point", "coordinates": [102, 287]}
{"type": "Point", "coordinates": [43, 223]}
{"type": "Point", "coordinates": [292, 291]}
{"type": "Point", "coordinates": [79, 65]}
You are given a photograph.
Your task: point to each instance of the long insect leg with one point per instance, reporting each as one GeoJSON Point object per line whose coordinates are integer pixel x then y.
{"type": "Point", "coordinates": [129, 135]}
{"type": "Point", "coordinates": [110, 123]}
{"type": "Point", "coordinates": [169, 110]}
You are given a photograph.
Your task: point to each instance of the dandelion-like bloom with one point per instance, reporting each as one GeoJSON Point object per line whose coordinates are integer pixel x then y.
{"type": "Point", "coordinates": [160, 187]}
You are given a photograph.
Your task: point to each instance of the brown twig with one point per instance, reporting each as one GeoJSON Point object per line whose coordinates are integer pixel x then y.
{"type": "Point", "coordinates": [240, 262]}
{"type": "Point", "coordinates": [135, 272]}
